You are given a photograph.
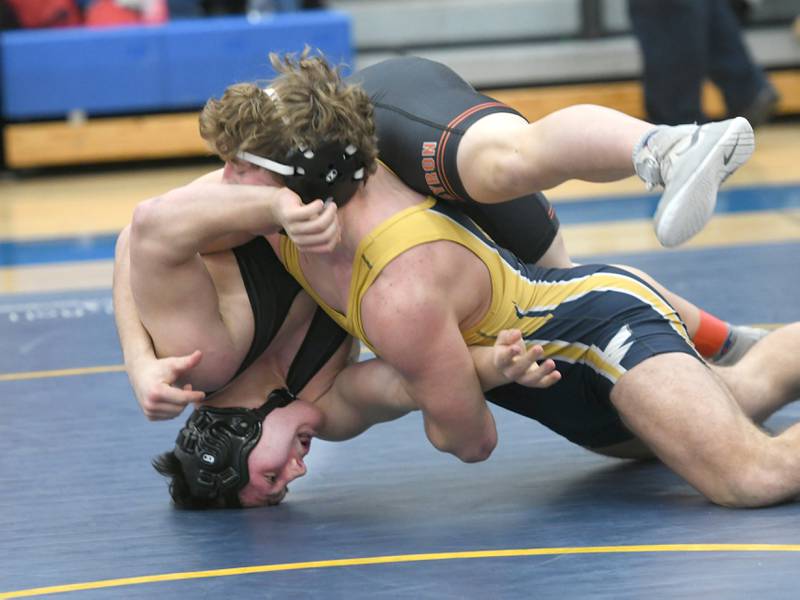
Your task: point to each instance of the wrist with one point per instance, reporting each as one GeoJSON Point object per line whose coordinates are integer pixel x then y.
{"type": "Point", "coordinates": [270, 217]}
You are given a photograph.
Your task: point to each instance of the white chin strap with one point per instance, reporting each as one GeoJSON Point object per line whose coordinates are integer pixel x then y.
{"type": "Point", "coordinates": [260, 161]}
{"type": "Point", "coordinates": [269, 165]}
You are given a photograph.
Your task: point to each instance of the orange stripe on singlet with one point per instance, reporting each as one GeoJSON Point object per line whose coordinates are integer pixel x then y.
{"type": "Point", "coordinates": [446, 137]}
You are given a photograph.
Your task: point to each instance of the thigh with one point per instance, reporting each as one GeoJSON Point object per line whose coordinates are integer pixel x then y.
{"type": "Point", "coordinates": [601, 322]}
{"type": "Point", "coordinates": [674, 404]}
{"type": "Point", "coordinates": [572, 408]}
{"type": "Point", "coordinates": [179, 305]}
{"type": "Point", "coordinates": [422, 110]}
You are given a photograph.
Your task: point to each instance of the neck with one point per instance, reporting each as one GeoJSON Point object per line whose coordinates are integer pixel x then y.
{"type": "Point", "coordinates": [380, 198]}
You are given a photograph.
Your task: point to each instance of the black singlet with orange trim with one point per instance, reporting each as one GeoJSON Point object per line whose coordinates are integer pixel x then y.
{"type": "Point", "coordinates": [422, 109]}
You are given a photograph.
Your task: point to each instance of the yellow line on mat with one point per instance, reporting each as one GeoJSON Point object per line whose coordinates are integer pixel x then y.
{"type": "Point", "coordinates": [403, 558]}
{"type": "Point", "coordinates": [61, 373]}
{"type": "Point", "coordinates": [91, 371]}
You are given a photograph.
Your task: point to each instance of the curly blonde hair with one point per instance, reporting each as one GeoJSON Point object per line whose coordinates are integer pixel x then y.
{"type": "Point", "coordinates": [312, 106]}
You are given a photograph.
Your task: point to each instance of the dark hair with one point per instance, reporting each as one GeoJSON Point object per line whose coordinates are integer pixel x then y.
{"type": "Point", "coordinates": [168, 465]}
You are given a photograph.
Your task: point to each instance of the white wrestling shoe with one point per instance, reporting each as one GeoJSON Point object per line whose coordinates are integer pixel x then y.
{"type": "Point", "coordinates": [740, 340]}
{"type": "Point", "coordinates": [690, 162]}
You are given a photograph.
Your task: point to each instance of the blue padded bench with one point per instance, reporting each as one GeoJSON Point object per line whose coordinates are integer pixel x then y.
{"type": "Point", "coordinates": [46, 74]}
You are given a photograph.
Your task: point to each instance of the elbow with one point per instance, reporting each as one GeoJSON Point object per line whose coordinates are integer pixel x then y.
{"type": "Point", "coordinates": [478, 452]}
{"type": "Point", "coordinates": [469, 446]}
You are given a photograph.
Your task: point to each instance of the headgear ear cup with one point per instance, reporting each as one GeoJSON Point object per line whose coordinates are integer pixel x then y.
{"type": "Point", "coordinates": [332, 171]}
{"type": "Point", "coordinates": [214, 445]}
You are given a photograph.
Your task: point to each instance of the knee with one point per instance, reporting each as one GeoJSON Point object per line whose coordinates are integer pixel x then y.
{"type": "Point", "coordinates": [747, 486]}
{"type": "Point", "coordinates": [145, 219]}
{"type": "Point", "coordinates": [122, 241]}
{"type": "Point", "coordinates": [507, 173]}
{"type": "Point", "coordinates": [148, 229]}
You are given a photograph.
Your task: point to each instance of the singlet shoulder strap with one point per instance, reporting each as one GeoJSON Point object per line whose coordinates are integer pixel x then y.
{"type": "Point", "coordinates": [271, 291]}
{"type": "Point", "coordinates": [322, 340]}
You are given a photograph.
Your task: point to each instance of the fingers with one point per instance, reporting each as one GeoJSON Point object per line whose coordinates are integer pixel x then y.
{"type": "Point", "coordinates": [540, 375]}
{"type": "Point", "coordinates": [524, 361]}
{"type": "Point", "coordinates": [314, 216]}
{"type": "Point", "coordinates": [311, 219]}
{"type": "Point", "coordinates": [522, 365]}
{"type": "Point", "coordinates": [184, 364]}
{"type": "Point", "coordinates": [167, 402]}
{"type": "Point", "coordinates": [315, 227]}
{"type": "Point", "coordinates": [509, 336]}
{"type": "Point", "coordinates": [507, 347]}
{"type": "Point", "coordinates": [324, 241]}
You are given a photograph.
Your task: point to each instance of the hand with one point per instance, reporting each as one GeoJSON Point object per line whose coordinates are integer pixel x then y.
{"type": "Point", "coordinates": [313, 227]}
{"type": "Point", "coordinates": [519, 365]}
{"type": "Point", "coordinates": [153, 383]}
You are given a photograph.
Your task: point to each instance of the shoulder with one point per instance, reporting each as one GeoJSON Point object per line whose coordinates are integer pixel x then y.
{"type": "Point", "coordinates": [411, 296]}
{"type": "Point", "coordinates": [415, 277]}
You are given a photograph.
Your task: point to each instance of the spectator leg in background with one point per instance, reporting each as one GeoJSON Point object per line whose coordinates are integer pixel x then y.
{"type": "Point", "coordinates": [743, 83]}
{"type": "Point", "coordinates": [672, 35]}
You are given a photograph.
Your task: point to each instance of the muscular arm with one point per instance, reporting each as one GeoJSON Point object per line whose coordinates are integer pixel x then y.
{"type": "Point", "coordinates": [228, 240]}
{"type": "Point", "coordinates": [363, 394]}
{"type": "Point", "coordinates": [192, 218]}
{"type": "Point", "coordinates": [414, 328]}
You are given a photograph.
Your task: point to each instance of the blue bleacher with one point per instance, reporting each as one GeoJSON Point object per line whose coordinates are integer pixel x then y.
{"type": "Point", "coordinates": [46, 74]}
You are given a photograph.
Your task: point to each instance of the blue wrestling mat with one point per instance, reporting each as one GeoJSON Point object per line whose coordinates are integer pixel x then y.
{"type": "Point", "coordinates": [83, 514]}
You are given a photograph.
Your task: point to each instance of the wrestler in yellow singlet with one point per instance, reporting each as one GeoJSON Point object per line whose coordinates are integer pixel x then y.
{"type": "Point", "coordinates": [595, 321]}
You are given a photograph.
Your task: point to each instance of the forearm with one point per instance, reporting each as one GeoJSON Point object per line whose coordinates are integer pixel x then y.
{"type": "Point", "coordinates": [488, 373]}
{"type": "Point", "coordinates": [444, 385]}
{"type": "Point", "coordinates": [193, 218]}
{"type": "Point", "coordinates": [363, 395]}
{"type": "Point", "coordinates": [434, 363]}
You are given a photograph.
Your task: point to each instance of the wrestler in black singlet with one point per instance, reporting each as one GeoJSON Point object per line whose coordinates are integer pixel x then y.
{"type": "Point", "coordinates": [271, 291]}
{"type": "Point", "coordinates": [422, 108]}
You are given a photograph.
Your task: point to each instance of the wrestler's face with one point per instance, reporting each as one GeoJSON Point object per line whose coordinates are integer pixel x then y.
{"type": "Point", "coordinates": [277, 459]}
{"type": "Point", "coordinates": [244, 173]}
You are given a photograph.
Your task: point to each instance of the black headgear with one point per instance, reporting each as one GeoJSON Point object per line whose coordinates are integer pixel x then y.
{"type": "Point", "coordinates": [332, 171]}
{"type": "Point", "coordinates": [215, 443]}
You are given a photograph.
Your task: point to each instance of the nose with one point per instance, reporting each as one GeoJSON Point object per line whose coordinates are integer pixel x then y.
{"type": "Point", "coordinates": [297, 468]}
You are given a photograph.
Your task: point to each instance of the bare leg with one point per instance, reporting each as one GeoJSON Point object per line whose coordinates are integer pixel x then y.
{"type": "Point", "coordinates": [693, 424]}
{"type": "Point", "coordinates": [768, 377]}
{"type": "Point", "coordinates": [715, 339]}
{"type": "Point", "coordinates": [178, 303]}
{"type": "Point", "coordinates": [503, 157]}
{"type": "Point", "coordinates": [762, 383]}
{"type": "Point", "coordinates": [556, 256]}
